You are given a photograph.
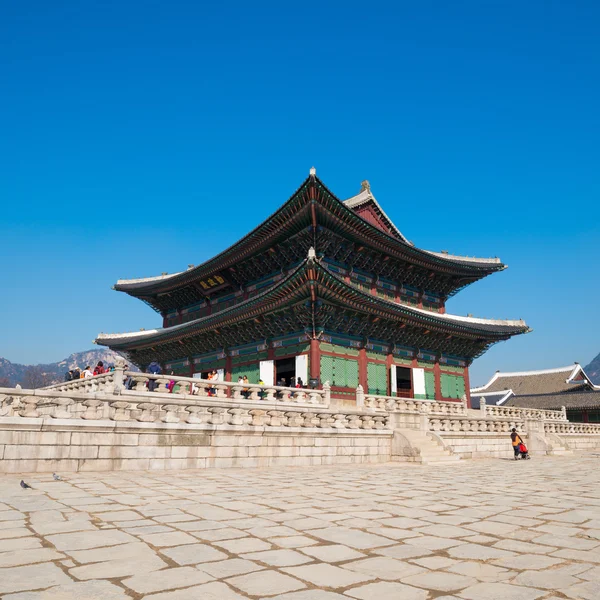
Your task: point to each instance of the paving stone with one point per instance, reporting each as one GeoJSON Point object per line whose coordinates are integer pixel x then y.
{"type": "Point", "coordinates": [437, 580]}
{"type": "Point", "coordinates": [436, 562]}
{"type": "Point", "coordinates": [310, 595]}
{"type": "Point", "coordinates": [266, 583]}
{"type": "Point", "coordinates": [403, 551]}
{"type": "Point", "coordinates": [351, 537]}
{"type": "Point", "coordinates": [383, 567]}
{"type": "Point", "coordinates": [208, 591]}
{"type": "Point", "coordinates": [548, 580]}
{"type": "Point", "coordinates": [294, 541]}
{"type": "Point", "coordinates": [14, 558]}
{"type": "Point", "coordinates": [328, 576]}
{"type": "Point", "coordinates": [89, 539]}
{"type": "Point", "coordinates": [278, 558]}
{"type": "Point", "coordinates": [24, 543]}
{"type": "Point", "coordinates": [477, 552]}
{"type": "Point", "coordinates": [332, 553]}
{"type": "Point", "coordinates": [84, 590]}
{"type": "Point", "coordinates": [527, 561]}
{"type": "Point", "coordinates": [386, 590]}
{"type": "Point", "coordinates": [192, 554]}
{"type": "Point", "coordinates": [135, 549]}
{"type": "Point", "coordinates": [147, 530]}
{"type": "Point", "coordinates": [172, 538]}
{"type": "Point", "coordinates": [121, 567]}
{"type": "Point", "coordinates": [482, 572]}
{"type": "Point", "coordinates": [31, 577]}
{"type": "Point", "coordinates": [433, 543]}
{"type": "Point", "coordinates": [242, 545]}
{"type": "Point", "coordinates": [216, 535]}
{"type": "Point", "coordinates": [229, 567]}
{"type": "Point", "coordinates": [524, 547]}
{"type": "Point", "coordinates": [167, 579]}
{"type": "Point", "coordinates": [500, 591]}
{"type": "Point", "coordinates": [6, 534]}
{"type": "Point", "coordinates": [589, 590]}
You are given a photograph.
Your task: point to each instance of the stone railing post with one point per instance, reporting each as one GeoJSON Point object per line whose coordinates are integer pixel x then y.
{"type": "Point", "coordinates": [327, 390]}
{"type": "Point", "coordinates": [360, 396]}
{"type": "Point", "coordinates": [423, 418]}
{"type": "Point", "coordinates": [563, 410]}
{"type": "Point", "coordinates": [118, 376]}
{"type": "Point", "coordinates": [482, 407]}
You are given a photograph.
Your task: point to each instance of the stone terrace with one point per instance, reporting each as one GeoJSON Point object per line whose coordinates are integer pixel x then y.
{"type": "Point", "coordinates": [472, 530]}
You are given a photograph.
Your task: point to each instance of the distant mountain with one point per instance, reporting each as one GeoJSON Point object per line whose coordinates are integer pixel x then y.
{"type": "Point", "coordinates": [55, 372]}
{"type": "Point", "coordinates": [593, 370]}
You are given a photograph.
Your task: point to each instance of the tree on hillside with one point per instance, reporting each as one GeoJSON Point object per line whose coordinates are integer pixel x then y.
{"type": "Point", "coordinates": [5, 382]}
{"type": "Point", "coordinates": [34, 377]}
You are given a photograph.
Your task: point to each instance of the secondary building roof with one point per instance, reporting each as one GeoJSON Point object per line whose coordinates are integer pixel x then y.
{"type": "Point", "coordinates": [548, 381]}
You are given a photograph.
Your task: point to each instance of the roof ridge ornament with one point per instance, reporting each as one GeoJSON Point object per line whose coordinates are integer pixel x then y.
{"type": "Point", "coordinates": [365, 186]}
{"type": "Point", "coordinates": [312, 255]}
{"type": "Point", "coordinates": [313, 172]}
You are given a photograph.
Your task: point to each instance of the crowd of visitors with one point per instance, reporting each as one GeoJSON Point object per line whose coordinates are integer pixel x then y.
{"type": "Point", "coordinates": [77, 373]}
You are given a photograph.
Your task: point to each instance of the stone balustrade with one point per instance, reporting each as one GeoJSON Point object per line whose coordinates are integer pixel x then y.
{"type": "Point", "coordinates": [469, 425]}
{"type": "Point", "coordinates": [125, 382]}
{"type": "Point", "coordinates": [580, 428]}
{"type": "Point", "coordinates": [97, 383]}
{"type": "Point", "coordinates": [50, 404]}
{"type": "Point", "coordinates": [513, 412]}
{"type": "Point", "coordinates": [409, 405]}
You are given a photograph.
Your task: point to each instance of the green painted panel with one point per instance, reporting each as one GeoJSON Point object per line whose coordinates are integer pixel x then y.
{"type": "Point", "coordinates": [460, 387]}
{"type": "Point", "coordinates": [448, 386]}
{"type": "Point", "coordinates": [351, 373]}
{"type": "Point", "coordinates": [429, 385]}
{"type": "Point", "coordinates": [326, 369]}
{"type": "Point", "coordinates": [377, 379]}
{"type": "Point", "coordinates": [251, 371]}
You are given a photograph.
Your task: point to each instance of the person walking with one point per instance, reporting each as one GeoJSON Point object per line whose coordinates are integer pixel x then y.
{"type": "Point", "coordinates": [87, 373]}
{"type": "Point", "coordinates": [516, 442]}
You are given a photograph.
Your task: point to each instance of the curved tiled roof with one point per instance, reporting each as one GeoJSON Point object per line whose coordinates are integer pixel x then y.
{"type": "Point", "coordinates": [258, 240]}
{"type": "Point", "coordinates": [311, 272]}
{"type": "Point", "coordinates": [546, 381]}
{"type": "Point", "coordinates": [572, 401]}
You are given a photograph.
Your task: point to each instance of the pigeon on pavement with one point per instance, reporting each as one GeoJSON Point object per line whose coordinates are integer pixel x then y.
{"type": "Point", "coordinates": [56, 477]}
{"type": "Point", "coordinates": [25, 486]}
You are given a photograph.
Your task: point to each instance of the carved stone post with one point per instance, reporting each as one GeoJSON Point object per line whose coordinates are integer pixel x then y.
{"type": "Point", "coordinates": [482, 406]}
{"type": "Point", "coordinates": [360, 396]}
{"type": "Point", "coordinates": [118, 376]}
{"type": "Point", "coordinates": [327, 390]}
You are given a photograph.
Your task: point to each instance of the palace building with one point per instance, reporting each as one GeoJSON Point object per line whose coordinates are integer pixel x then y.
{"type": "Point", "coordinates": [325, 290]}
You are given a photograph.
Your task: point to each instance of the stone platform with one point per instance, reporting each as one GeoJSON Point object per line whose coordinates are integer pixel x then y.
{"type": "Point", "coordinates": [470, 530]}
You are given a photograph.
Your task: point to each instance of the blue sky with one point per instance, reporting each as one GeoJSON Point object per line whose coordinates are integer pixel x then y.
{"type": "Point", "coordinates": [138, 137]}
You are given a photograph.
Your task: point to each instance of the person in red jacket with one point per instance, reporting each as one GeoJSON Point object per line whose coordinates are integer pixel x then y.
{"type": "Point", "coordinates": [99, 370]}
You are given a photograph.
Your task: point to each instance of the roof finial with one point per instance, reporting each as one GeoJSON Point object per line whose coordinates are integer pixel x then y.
{"type": "Point", "coordinates": [365, 186]}
{"type": "Point", "coordinates": [313, 171]}
{"type": "Point", "coordinates": [312, 255]}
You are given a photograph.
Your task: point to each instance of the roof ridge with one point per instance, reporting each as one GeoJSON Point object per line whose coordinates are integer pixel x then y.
{"type": "Point", "coordinates": [568, 369]}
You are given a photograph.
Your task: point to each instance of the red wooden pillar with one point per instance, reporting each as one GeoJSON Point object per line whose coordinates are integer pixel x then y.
{"type": "Point", "coordinates": [437, 376]}
{"type": "Point", "coordinates": [362, 369]}
{"type": "Point", "coordinates": [191, 366]}
{"type": "Point", "coordinates": [228, 367]}
{"type": "Point", "coordinates": [315, 359]}
{"type": "Point", "coordinates": [586, 417]}
{"type": "Point", "coordinates": [467, 386]}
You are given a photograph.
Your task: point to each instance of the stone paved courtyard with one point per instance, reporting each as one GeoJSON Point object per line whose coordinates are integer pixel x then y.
{"type": "Point", "coordinates": [474, 530]}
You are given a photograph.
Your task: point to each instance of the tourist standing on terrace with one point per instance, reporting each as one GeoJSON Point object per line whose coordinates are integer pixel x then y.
{"type": "Point", "coordinates": [154, 369]}
{"type": "Point", "coordinates": [99, 370]}
{"type": "Point", "coordinates": [87, 372]}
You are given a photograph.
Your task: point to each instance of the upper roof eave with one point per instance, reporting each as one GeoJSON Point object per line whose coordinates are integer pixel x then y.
{"type": "Point", "coordinates": [151, 285]}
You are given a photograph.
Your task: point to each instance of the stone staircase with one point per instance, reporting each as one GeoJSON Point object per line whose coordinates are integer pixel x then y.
{"type": "Point", "coordinates": [411, 445]}
{"type": "Point", "coordinates": [557, 446]}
